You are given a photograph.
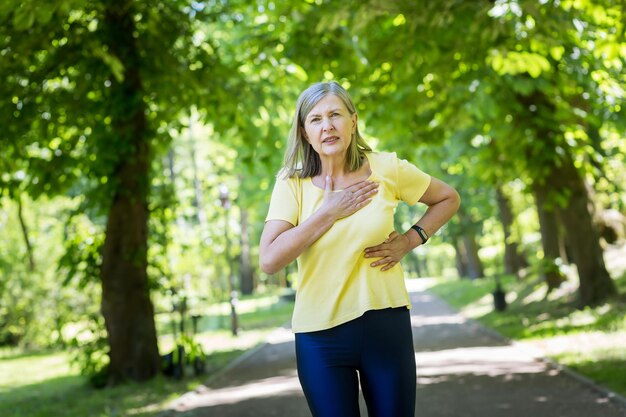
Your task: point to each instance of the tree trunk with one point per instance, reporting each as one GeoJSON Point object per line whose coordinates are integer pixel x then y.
{"type": "Point", "coordinates": [467, 260]}
{"type": "Point", "coordinates": [29, 248]}
{"type": "Point", "coordinates": [582, 235]}
{"type": "Point", "coordinates": [549, 228]}
{"type": "Point", "coordinates": [560, 176]}
{"type": "Point", "coordinates": [475, 265]}
{"type": "Point", "coordinates": [513, 261]}
{"type": "Point", "coordinates": [198, 201]}
{"type": "Point", "coordinates": [461, 259]}
{"type": "Point", "coordinates": [126, 304]}
{"type": "Point", "coordinates": [247, 279]}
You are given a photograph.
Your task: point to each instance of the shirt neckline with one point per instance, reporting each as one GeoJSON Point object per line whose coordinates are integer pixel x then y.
{"type": "Point", "coordinates": [369, 162]}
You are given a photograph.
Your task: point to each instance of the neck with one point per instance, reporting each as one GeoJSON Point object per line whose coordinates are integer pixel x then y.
{"type": "Point", "coordinates": [334, 167]}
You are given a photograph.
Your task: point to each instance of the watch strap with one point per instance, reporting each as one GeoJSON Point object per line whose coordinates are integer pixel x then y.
{"type": "Point", "coordinates": [420, 232]}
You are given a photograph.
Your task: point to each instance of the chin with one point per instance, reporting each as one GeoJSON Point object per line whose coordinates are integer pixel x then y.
{"type": "Point", "coordinates": [334, 152]}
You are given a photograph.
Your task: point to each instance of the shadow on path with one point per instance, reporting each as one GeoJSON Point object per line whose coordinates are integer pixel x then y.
{"type": "Point", "coordinates": [463, 370]}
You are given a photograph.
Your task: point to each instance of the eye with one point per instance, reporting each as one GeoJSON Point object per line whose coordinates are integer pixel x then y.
{"type": "Point", "coordinates": [314, 120]}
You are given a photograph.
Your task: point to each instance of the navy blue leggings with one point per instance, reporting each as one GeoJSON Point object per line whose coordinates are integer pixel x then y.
{"type": "Point", "coordinates": [377, 345]}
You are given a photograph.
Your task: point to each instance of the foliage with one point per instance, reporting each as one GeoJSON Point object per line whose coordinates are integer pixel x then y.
{"type": "Point", "coordinates": [37, 305]}
{"type": "Point", "coordinates": [480, 94]}
{"type": "Point", "coordinates": [90, 351]}
{"type": "Point", "coordinates": [44, 383]}
{"type": "Point", "coordinates": [80, 77]}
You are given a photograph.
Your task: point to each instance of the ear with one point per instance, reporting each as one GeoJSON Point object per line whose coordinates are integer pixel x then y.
{"type": "Point", "coordinates": [355, 118]}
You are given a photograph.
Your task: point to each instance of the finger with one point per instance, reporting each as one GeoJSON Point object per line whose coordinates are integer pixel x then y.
{"type": "Point", "coordinates": [375, 254]}
{"type": "Point", "coordinates": [360, 200]}
{"type": "Point", "coordinates": [382, 261]}
{"type": "Point", "coordinates": [355, 194]}
{"type": "Point", "coordinates": [363, 186]}
{"type": "Point", "coordinates": [357, 186]}
{"type": "Point", "coordinates": [361, 196]}
{"type": "Point", "coordinates": [374, 190]}
{"type": "Point", "coordinates": [372, 249]}
{"type": "Point", "coordinates": [357, 206]}
{"type": "Point", "coordinates": [383, 254]}
{"type": "Point", "coordinates": [363, 203]}
{"type": "Point", "coordinates": [392, 236]}
{"type": "Point", "coordinates": [371, 188]}
{"type": "Point", "coordinates": [389, 266]}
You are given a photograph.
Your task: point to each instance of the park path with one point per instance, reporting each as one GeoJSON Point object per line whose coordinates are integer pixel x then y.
{"type": "Point", "coordinates": [463, 370]}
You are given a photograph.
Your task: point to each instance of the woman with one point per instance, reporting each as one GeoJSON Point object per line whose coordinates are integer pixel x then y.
{"type": "Point", "coordinates": [332, 210]}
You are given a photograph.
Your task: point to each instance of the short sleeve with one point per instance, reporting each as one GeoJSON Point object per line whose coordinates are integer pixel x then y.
{"type": "Point", "coordinates": [284, 202]}
{"type": "Point", "coordinates": [412, 182]}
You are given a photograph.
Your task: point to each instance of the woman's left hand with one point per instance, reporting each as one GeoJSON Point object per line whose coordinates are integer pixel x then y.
{"type": "Point", "coordinates": [390, 251]}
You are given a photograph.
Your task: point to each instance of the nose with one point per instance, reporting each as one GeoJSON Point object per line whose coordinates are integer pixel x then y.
{"type": "Point", "coordinates": [327, 124]}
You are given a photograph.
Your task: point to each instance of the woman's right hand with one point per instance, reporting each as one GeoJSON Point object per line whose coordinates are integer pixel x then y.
{"type": "Point", "coordinates": [343, 203]}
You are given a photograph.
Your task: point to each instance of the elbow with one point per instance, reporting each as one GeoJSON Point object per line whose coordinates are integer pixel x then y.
{"type": "Point", "coordinates": [450, 199]}
{"type": "Point", "coordinates": [268, 269]}
{"type": "Point", "coordinates": [268, 261]}
{"type": "Point", "coordinates": [268, 266]}
{"type": "Point", "coordinates": [456, 200]}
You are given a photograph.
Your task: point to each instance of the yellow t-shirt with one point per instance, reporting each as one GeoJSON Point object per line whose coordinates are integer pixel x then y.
{"type": "Point", "coordinates": [336, 282]}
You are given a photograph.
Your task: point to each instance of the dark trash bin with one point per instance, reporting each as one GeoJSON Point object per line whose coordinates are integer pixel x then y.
{"type": "Point", "coordinates": [499, 297]}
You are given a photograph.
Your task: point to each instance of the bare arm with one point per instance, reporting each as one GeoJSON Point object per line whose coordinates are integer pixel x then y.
{"type": "Point", "coordinates": [442, 201]}
{"type": "Point", "coordinates": [281, 242]}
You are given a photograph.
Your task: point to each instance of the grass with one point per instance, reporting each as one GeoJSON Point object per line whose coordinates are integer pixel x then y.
{"type": "Point", "coordinates": [45, 384]}
{"type": "Point", "coordinates": [590, 341]}
{"type": "Point", "coordinates": [604, 369]}
{"type": "Point", "coordinates": [61, 391]}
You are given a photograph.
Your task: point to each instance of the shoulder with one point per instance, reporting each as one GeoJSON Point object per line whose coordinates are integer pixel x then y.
{"type": "Point", "coordinates": [383, 158]}
{"type": "Point", "coordinates": [284, 184]}
{"type": "Point", "coordinates": [383, 162]}
{"type": "Point", "coordinates": [285, 177]}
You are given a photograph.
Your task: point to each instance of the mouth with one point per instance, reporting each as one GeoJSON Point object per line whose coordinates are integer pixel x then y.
{"type": "Point", "coordinates": [331, 139]}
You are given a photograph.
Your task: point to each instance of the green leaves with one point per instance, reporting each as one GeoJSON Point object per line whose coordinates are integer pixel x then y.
{"type": "Point", "coordinates": [511, 62]}
{"type": "Point", "coordinates": [23, 18]}
{"type": "Point", "coordinates": [113, 63]}
{"type": "Point", "coordinates": [479, 93]}
{"type": "Point", "coordinates": [26, 13]}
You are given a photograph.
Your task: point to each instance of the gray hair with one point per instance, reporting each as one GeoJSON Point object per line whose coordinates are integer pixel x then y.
{"type": "Point", "coordinates": [300, 157]}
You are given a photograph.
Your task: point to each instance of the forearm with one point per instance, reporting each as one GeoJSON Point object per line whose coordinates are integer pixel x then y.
{"type": "Point", "coordinates": [282, 243]}
{"type": "Point", "coordinates": [287, 246]}
{"type": "Point", "coordinates": [435, 217]}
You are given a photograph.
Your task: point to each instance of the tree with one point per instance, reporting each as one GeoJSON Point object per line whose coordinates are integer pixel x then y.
{"type": "Point", "coordinates": [514, 261]}
{"type": "Point", "coordinates": [501, 92]}
{"type": "Point", "coordinates": [527, 98]}
{"type": "Point", "coordinates": [126, 305]}
{"type": "Point", "coordinates": [546, 99]}
{"type": "Point", "coordinates": [94, 87]}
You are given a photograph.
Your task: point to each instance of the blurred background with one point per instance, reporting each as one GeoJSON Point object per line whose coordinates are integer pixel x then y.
{"type": "Point", "coordinates": [140, 141]}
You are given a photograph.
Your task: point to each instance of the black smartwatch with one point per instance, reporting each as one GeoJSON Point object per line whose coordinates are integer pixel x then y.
{"type": "Point", "coordinates": [420, 232]}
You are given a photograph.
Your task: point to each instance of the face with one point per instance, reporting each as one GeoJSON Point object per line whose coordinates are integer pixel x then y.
{"type": "Point", "coordinates": [329, 126]}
